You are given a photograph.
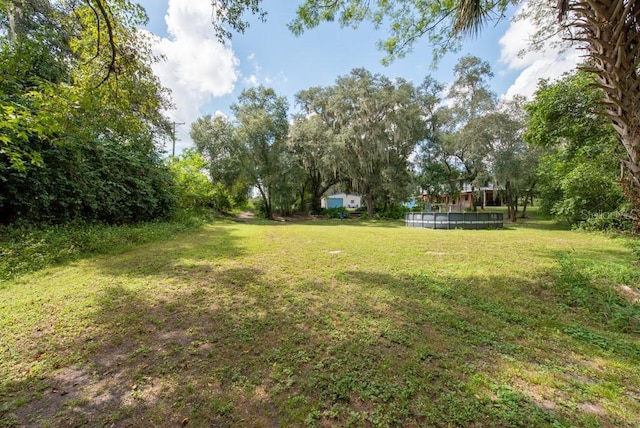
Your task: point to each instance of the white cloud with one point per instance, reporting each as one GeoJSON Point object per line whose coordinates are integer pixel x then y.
{"type": "Point", "coordinates": [550, 67]}
{"type": "Point", "coordinates": [251, 80]}
{"type": "Point", "coordinates": [197, 66]}
{"type": "Point", "coordinates": [548, 63]}
{"type": "Point", "coordinates": [258, 77]}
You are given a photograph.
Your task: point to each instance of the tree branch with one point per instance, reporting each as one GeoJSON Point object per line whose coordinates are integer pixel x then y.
{"type": "Point", "coordinates": [112, 64]}
{"type": "Point", "coordinates": [95, 12]}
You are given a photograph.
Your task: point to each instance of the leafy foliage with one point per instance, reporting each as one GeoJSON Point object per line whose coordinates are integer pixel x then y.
{"type": "Point", "coordinates": [579, 171]}
{"type": "Point", "coordinates": [335, 212]}
{"type": "Point", "coordinates": [612, 49]}
{"type": "Point", "coordinates": [192, 187]}
{"type": "Point", "coordinates": [613, 222]}
{"type": "Point", "coordinates": [376, 123]}
{"type": "Point", "coordinates": [474, 141]}
{"type": "Point", "coordinates": [440, 22]}
{"type": "Point", "coordinates": [77, 140]}
{"type": "Point", "coordinates": [250, 150]}
{"type": "Point", "coordinates": [314, 146]}
{"type": "Point", "coordinates": [107, 182]}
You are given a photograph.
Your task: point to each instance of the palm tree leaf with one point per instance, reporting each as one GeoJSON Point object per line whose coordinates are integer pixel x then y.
{"type": "Point", "coordinates": [470, 16]}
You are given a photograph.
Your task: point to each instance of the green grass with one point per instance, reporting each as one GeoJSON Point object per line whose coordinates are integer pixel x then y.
{"type": "Point", "coordinates": [28, 249]}
{"type": "Point", "coordinates": [328, 323]}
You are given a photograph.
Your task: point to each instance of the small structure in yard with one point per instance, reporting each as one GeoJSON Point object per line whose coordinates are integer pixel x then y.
{"type": "Point", "coordinates": [470, 220]}
{"type": "Point", "coordinates": [342, 200]}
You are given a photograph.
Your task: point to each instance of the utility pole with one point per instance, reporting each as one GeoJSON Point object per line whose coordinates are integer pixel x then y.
{"type": "Point", "coordinates": [173, 136]}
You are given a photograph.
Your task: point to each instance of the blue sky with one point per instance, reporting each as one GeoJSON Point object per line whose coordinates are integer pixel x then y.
{"type": "Point", "coordinates": [206, 77]}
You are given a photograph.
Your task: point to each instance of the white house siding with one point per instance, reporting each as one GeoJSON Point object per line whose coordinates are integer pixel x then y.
{"type": "Point", "coordinates": [349, 201]}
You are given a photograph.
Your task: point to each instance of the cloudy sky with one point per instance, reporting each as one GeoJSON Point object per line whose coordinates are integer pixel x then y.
{"type": "Point", "coordinates": [206, 77]}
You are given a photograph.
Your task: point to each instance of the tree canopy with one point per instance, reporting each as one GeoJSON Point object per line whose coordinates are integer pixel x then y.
{"type": "Point", "coordinates": [78, 131]}
{"type": "Point", "coordinates": [609, 31]}
{"type": "Point", "coordinates": [579, 166]}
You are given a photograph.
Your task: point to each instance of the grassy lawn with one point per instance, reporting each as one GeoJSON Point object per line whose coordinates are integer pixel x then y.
{"type": "Point", "coordinates": [329, 323]}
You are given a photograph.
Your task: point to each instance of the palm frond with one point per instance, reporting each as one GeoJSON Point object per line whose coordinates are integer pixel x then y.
{"type": "Point", "coordinates": [470, 16]}
{"type": "Point", "coordinates": [562, 6]}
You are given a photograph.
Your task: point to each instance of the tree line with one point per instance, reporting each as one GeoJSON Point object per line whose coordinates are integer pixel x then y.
{"type": "Point", "coordinates": [608, 31]}
{"type": "Point", "coordinates": [391, 140]}
{"type": "Point", "coordinates": [82, 132]}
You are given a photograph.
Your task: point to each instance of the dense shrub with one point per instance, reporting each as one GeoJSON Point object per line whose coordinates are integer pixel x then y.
{"type": "Point", "coordinates": [392, 213]}
{"type": "Point", "coordinates": [579, 167]}
{"type": "Point", "coordinates": [586, 190]}
{"type": "Point", "coordinates": [339, 212]}
{"type": "Point", "coordinates": [78, 145]}
{"type": "Point", "coordinates": [103, 181]}
{"type": "Point", "coordinates": [617, 221]}
{"type": "Point", "coordinates": [192, 187]}
{"type": "Point", "coordinates": [221, 200]}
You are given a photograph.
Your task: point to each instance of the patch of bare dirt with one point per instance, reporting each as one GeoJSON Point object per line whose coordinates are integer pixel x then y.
{"type": "Point", "coordinates": [74, 397]}
{"type": "Point", "coordinates": [633, 296]}
{"type": "Point", "coordinates": [594, 409]}
{"type": "Point", "coordinates": [296, 217]}
{"type": "Point", "coordinates": [246, 216]}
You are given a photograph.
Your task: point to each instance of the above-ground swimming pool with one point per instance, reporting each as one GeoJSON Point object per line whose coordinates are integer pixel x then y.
{"type": "Point", "coordinates": [454, 220]}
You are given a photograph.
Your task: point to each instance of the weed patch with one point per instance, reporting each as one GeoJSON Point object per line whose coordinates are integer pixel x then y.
{"type": "Point", "coordinates": [28, 249]}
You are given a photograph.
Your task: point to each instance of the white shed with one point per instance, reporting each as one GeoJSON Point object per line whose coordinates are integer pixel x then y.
{"type": "Point", "coordinates": [342, 200]}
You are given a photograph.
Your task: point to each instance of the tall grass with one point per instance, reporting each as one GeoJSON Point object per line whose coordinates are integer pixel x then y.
{"type": "Point", "coordinates": [29, 248]}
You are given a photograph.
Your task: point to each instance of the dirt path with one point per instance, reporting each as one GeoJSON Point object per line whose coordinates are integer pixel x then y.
{"type": "Point", "coordinates": [245, 215]}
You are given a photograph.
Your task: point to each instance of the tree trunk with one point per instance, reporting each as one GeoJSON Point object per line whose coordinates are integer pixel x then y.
{"type": "Point", "coordinates": [267, 204]}
{"type": "Point", "coordinates": [316, 200]}
{"type": "Point", "coordinates": [316, 204]}
{"type": "Point", "coordinates": [267, 209]}
{"type": "Point", "coordinates": [13, 10]}
{"type": "Point", "coordinates": [370, 209]}
{"type": "Point", "coordinates": [473, 201]}
{"type": "Point", "coordinates": [511, 211]}
{"type": "Point", "coordinates": [528, 197]}
{"type": "Point", "coordinates": [302, 200]}
{"type": "Point", "coordinates": [611, 29]}
{"type": "Point", "coordinates": [317, 190]}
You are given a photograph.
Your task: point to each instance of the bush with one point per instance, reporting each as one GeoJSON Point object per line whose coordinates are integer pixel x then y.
{"type": "Point", "coordinates": [586, 191]}
{"type": "Point", "coordinates": [25, 248]}
{"type": "Point", "coordinates": [335, 213]}
{"type": "Point", "coordinates": [392, 213]}
{"type": "Point", "coordinates": [221, 201]}
{"type": "Point", "coordinates": [192, 188]}
{"type": "Point", "coordinates": [616, 222]}
{"type": "Point", "coordinates": [103, 181]}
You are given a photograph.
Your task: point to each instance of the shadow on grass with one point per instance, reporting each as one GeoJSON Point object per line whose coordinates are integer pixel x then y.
{"type": "Point", "coordinates": [527, 330]}
{"type": "Point", "coordinates": [537, 224]}
{"type": "Point", "coordinates": [235, 347]}
{"type": "Point", "coordinates": [30, 250]}
{"type": "Point", "coordinates": [164, 361]}
{"type": "Point", "coordinates": [174, 258]}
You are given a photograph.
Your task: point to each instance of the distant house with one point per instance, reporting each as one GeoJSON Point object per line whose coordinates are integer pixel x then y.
{"type": "Point", "coordinates": [484, 197]}
{"type": "Point", "coordinates": [342, 200]}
